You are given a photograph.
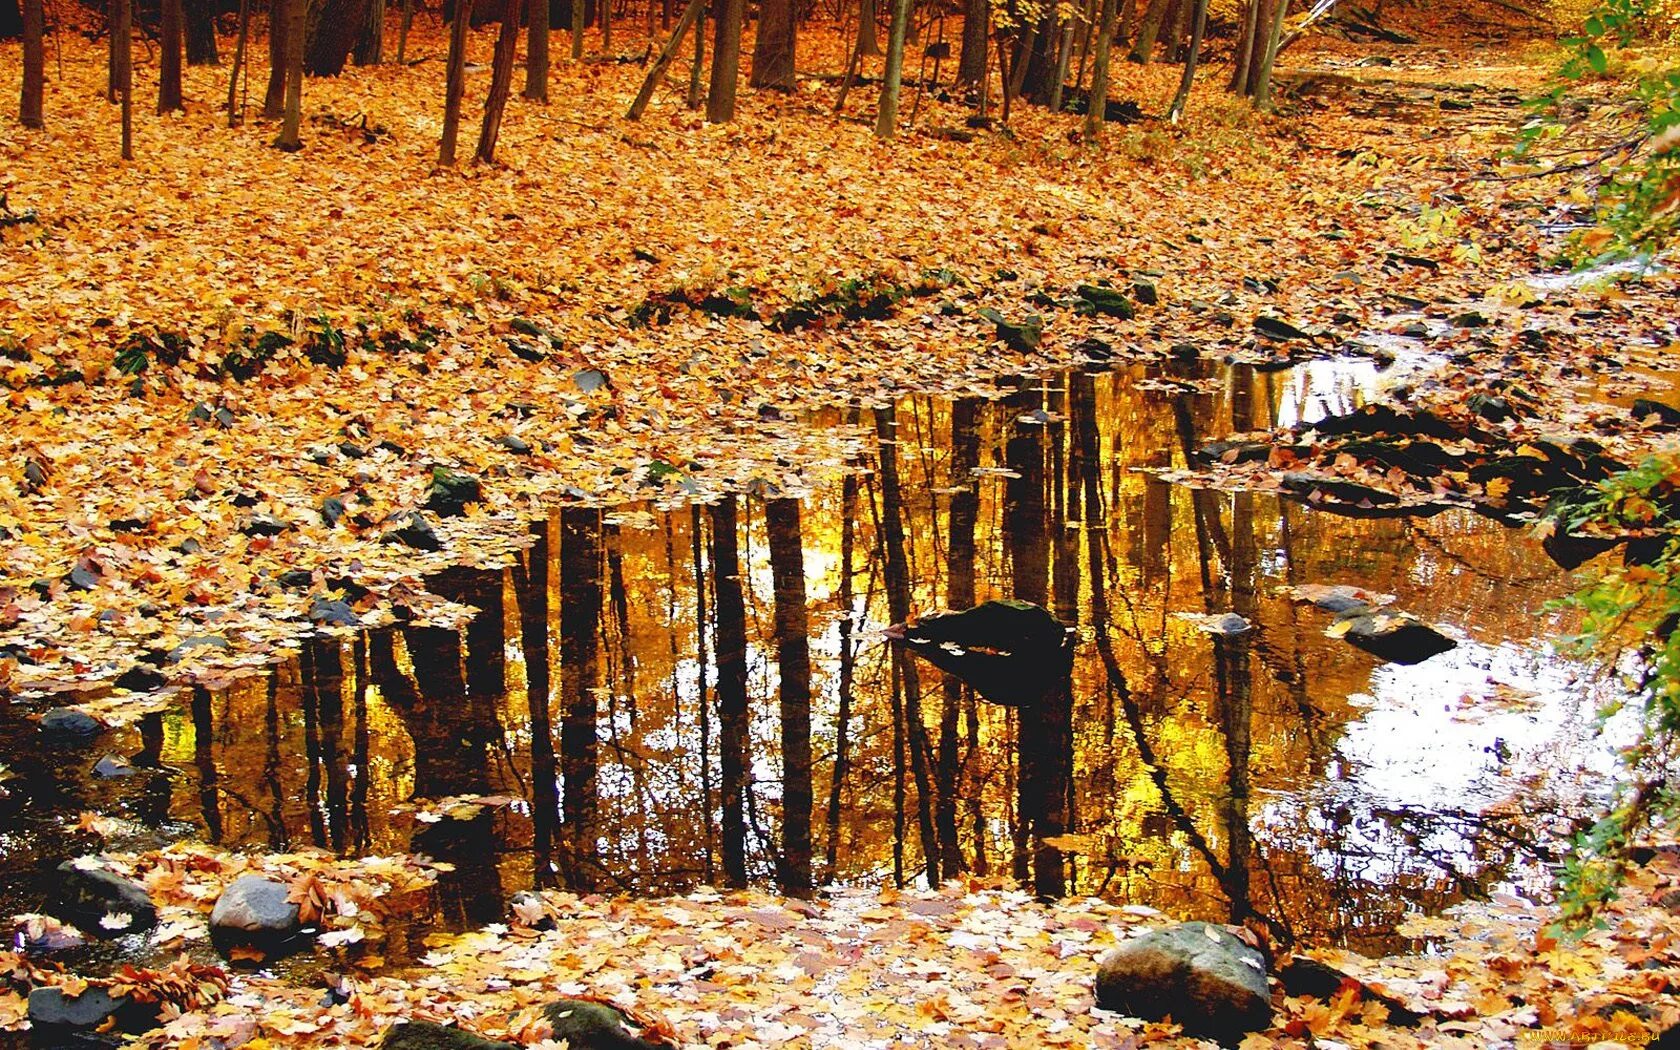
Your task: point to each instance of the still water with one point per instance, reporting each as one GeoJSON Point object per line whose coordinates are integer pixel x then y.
{"type": "Point", "coordinates": [579, 732]}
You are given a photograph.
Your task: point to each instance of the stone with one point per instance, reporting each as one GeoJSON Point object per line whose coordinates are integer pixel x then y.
{"type": "Point", "coordinates": [515, 444]}
{"type": "Point", "coordinates": [1396, 637]}
{"type": "Point", "coordinates": [1665, 416]}
{"type": "Point", "coordinates": [428, 1035]}
{"type": "Point", "coordinates": [413, 531]}
{"type": "Point", "coordinates": [96, 899]}
{"type": "Point", "coordinates": [1110, 302]}
{"type": "Point", "coordinates": [1277, 328]}
{"type": "Point", "coordinates": [1200, 975]}
{"type": "Point", "coordinates": [1145, 293]}
{"type": "Point", "coordinates": [69, 723]}
{"type": "Point", "coordinates": [50, 1008]}
{"type": "Point", "coordinates": [1011, 652]}
{"type": "Point", "coordinates": [202, 641]}
{"type": "Point", "coordinates": [589, 380]}
{"type": "Point", "coordinates": [263, 525]}
{"type": "Point", "coordinates": [452, 492]}
{"type": "Point", "coordinates": [1024, 336]}
{"type": "Point", "coordinates": [112, 766]}
{"type": "Point", "coordinates": [584, 1024]}
{"type": "Point", "coordinates": [527, 908]}
{"type": "Point", "coordinates": [141, 679]}
{"type": "Point", "coordinates": [253, 912]}
{"type": "Point", "coordinates": [333, 613]}
{"type": "Point", "coordinates": [332, 509]}
{"type": "Point", "coordinates": [1228, 625]}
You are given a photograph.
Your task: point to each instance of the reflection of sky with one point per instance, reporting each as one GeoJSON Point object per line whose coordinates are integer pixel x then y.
{"type": "Point", "coordinates": [1314, 390]}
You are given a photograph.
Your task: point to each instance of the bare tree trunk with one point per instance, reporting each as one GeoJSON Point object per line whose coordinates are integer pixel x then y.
{"type": "Point", "coordinates": [971, 65]}
{"type": "Point", "coordinates": [1263, 90]}
{"type": "Point", "coordinates": [236, 112]}
{"type": "Point", "coordinates": [123, 33]}
{"type": "Point", "coordinates": [455, 82]}
{"type": "Point", "coordinates": [793, 665]}
{"type": "Point", "coordinates": [667, 55]}
{"type": "Point", "coordinates": [1058, 80]}
{"type": "Point", "coordinates": [696, 72]}
{"type": "Point", "coordinates": [1245, 48]}
{"type": "Point", "coordinates": [34, 65]}
{"type": "Point", "coordinates": [1182, 99]}
{"type": "Point", "coordinates": [170, 44]}
{"type": "Point", "coordinates": [274, 98]}
{"type": "Point", "coordinates": [1144, 48]}
{"type": "Point", "coordinates": [501, 83]}
{"type": "Point", "coordinates": [726, 63]}
{"type": "Point", "coordinates": [536, 51]}
{"type": "Point", "coordinates": [370, 45]}
{"type": "Point", "coordinates": [959, 595]}
{"type": "Point", "coordinates": [577, 28]}
{"type": "Point", "coordinates": [402, 30]}
{"type": "Point", "coordinates": [729, 619]}
{"type": "Point", "coordinates": [606, 27]}
{"type": "Point", "coordinates": [773, 53]}
{"type": "Point", "coordinates": [1096, 110]}
{"type": "Point", "coordinates": [530, 584]}
{"type": "Point", "coordinates": [580, 623]}
{"type": "Point", "coordinates": [886, 117]}
{"type": "Point", "coordinates": [868, 43]}
{"type": "Point", "coordinates": [843, 717]}
{"type": "Point", "coordinates": [290, 139]}
{"type": "Point", "coordinates": [201, 33]}
{"type": "Point", "coordinates": [113, 64]}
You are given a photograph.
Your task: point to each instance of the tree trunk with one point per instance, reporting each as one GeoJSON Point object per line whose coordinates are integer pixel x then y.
{"type": "Point", "coordinates": [34, 65]}
{"type": "Point", "coordinates": [1257, 44]}
{"type": "Point", "coordinates": [501, 82]}
{"type": "Point", "coordinates": [959, 594]}
{"type": "Point", "coordinates": [971, 65]}
{"type": "Point", "coordinates": [236, 112]}
{"type": "Point", "coordinates": [370, 44]}
{"type": "Point", "coordinates": [402, 30]}
{"type": "Point", "coordinates": [1036, 62]}
{"type": "Point", "coordinates": [1182, 99]}
{"type": "Point", "coordinates": [1245, 48]}
{"type": "Point", "coordinates": [201, 33]}
{"type": "Point", "coordinates": [848, 661]}
{"type": "Point", "coordinates": [868, 40]}
{"type": "Point", "coordinates": [793, 665]}
{"type": "Point", "coordinates": [1143, 49]}
{"type": "Point", "coordinates": [730, 644]}
{"type": "Point", "coordinates": [773, 53]}
{"type": "Point", "coordinates": [113, 63]}
{"type": "Point", "coordinates": [331, 35]}
{"type": "Point", "coordinates": [726, 63]}
{"type": "Point", "coordinates": [578, 13]}
{"type": "Point", "coordinates": [667, 55]}
{"type": "Point", "coordinates": [580, 620]}
{"type": "Point", "coordinates": [455, 83]}
{"type": "Point", "coordinates": [1263, 90]}
{"type": "Point", "coordinates": [536, 51]}
{"type": "Point", "coordinates": [697, 71]}
{"type": "Point", "coordinates": [290, 129]}
{"type": "Point", "coordinates": [169, 59]}
{"type": "Point", "coordinates": [886, 116]}
{"type": "Point", "coordinates": [530, 584]}
{"type": "Point", "coordinates": [1096, 110]}
{"type": "Point", "coordinates": [122, 33]}
{"type": "Point", "coordinates": [274, 98]}
{"type": "Point", "coordinates": [1058, 80]}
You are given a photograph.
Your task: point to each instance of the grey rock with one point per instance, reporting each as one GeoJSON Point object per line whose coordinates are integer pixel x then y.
{"type": "Point", "coordinates": [51, 1008]}
{"type": "Point", "coordinates": [1397, 637]}
{"type": "Point", "coordinates": [263, 525]}
{"type": "Point", "coordinates": [69, 723]}
{"type": "Point", "coordinates": [332, 613]}
{"type": "Point", "coordinates": [253, 912]}
{"type": "Point", "coordinates": [414, 531]}
{"type": "Point", "coordinates": [203, 641]}
{"type": "Point", "coordinates": [1198, 974]}
{"type": "Point", "coordinates": [100, 901]}
{"type": "Point", "coordinates": [112, 766]}
{"type": "Point", "coordinates": [1226, 626]}
{"type": "Point", "coordinates": [589, 380]}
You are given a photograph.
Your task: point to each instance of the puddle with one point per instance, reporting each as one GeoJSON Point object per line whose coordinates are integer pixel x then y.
{"type": "Point", "coordinates": [1289, 774]}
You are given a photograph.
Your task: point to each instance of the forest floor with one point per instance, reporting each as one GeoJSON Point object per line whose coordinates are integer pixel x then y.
{"type": "Point", "coordinates": [632, 310]}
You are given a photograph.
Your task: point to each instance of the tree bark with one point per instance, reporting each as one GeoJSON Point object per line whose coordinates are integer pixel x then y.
{"type": "Point", "coordinates": [1096, 110]}
{"type": "Point", "coordinates": [868, 40]}
{"type": "Point", "coordinates": [726, 63]}
{"type": "Point", "coordinates": [848, 662]}
{"type": "Point", "coordinates": [34, 65]}
{"type": "Point", "coordinates": [1245, 48]}
{"type": "Point", "coordinates": [501, 82]}
{"type": "Point", "coordinates": [455, 82]}
{"type": "Point", "coordinates": [1182, 99]}
{"type": "Point", "coordinates": [580, 620]}
{"type": "Point", "coordinates": [536, 51]}
{"type": "Point", "coordinates": [274, 98]}
{"type": "Point", "coordinates": [290, 129]}
{"type": "Point", "coordinates": [886, 116]}
{"type": "Point", "coordinates": [370, 44]}
{"type": "Point", "coordinates": [773, 53]}
{"type": "Point", "coordinates": [959, 594]}
{"type": "Point", "coordinates": [331, 35]}
{"type": "Point", "coordinates": [170, 45]}
{"type": "Point", "coordinates": [730, 644]}
{"type": "Point", "coordinates": [697, 71]}
{"type": "Point", "coordinates": [793, 665]}
{"type": "Point", "coordinates": [971, 65]}
{"type": "Point", "coordinates": [530, 584]}
{"type": "Point", "coordinates": [578, 13]}
{"type": "Point", "coordinates": [236, 112]}
{"type": "Point", "coordinates": [201, 33]}
{"type": "Point", "coordinates": [122, 34]}
{"type": "Point", "coordinates": [1143, 50]}
{"type": "Point", "coordinates": [667, 55]}
{"type": "Point", "coordinates": [1263, 90]}
{"type": "Point", "coordinates": [402, 30]}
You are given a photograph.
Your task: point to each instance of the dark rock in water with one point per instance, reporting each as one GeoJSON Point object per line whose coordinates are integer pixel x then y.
{"type": "Point", "coordinates": [415, 532]}
{"type": "Point", "coordinates": [1025, 335]}
{"type": "Point", "coordinates": [202, 641]}
{"type": "Point", "coordinates": [1011, 652]}
{"type": "Point", "coordinates": [82, 578]}
{"type": "Point", "coordinates": [515, 444]}
{"type": "Point", "coordinates": [1311, 485]}
{"type": "Point", "coordinates": [1666, 415]}
{"type": "Point", "coordinates": [253, 912]}
{"type": "Point", "coordinates": [69, 723]}
{"type": "Point", "coordinates": [333, 614]}
{"type": "Point", "coordinates": [1095, 349]}
{"type": "Point", "coordinates": [428, 1035]}
{"type": "Point", "coordinates": [583, 1024]}
{"type": "Point", "coordinates": [1277, 328]}
{"type": "Point", "coordinates": [50, 1008]}
{"type": "Point", "coordinates": [452, 492]}
{"type": "Point", "coordinates": [139, 679]}
{"type": "Point", "coordinates": [1110, 302]}
{"type": "Point", "coordinates": [1228, 625]}
{"type": "Point", "coordinates": [94, 898]}
{"type": "Point", "coordinates": [1342, 600]}
{"type": "Point", "coordinates": [1396, 637]}
{"type": "Point", "coordinates": [1235, 451]}
{"type": "Point", "coordinates": [113, 766]}
{"type": "Point", "coordinates": [1415, 330]}
{"type": "Point", "coordinates": [1201, 975]}
{"type": "Point", "coordinates": [1490, 407]}
{"type": "Point", "coordinates": [1470, 319]}
{"type": "Point", "coordinates": [295, 579]}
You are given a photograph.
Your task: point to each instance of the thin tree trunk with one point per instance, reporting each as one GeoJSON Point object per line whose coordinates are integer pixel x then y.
{"type": "Point", "coordinates": [290, 129]}
{"type": "Point", "coordinates": [1263, 91]}
{"type": "Point", "coordinates": [730, 644]}
{"type": "Point", "coordinates": [170, 43]}
{"type": "Point", "coordinates": [402, 30]}
{"type": "Point", "coordinates": [959, 595]}
{"type": "Point", "coordinates": [536, 51]}
{"type": "Point", "coordinates": [726, 63]}
{"type": "Point", "coordinates": [606, 27]}
{"type": "Point", "coordinates": [201, 33]}
{"type": "Point", "coordinates": [236, 112]}
{"type": "Point", "coordinates": [843, 717]}
{"type": "Point", "coordinates": [274, 98]}
{"type": "Point", "coordinates": [1257, 44]}
{"type": "Point", "coordinates": [697, 72]}
{"type": "Point", "coordinates": [577, 28]}
{"type": "Point", "coordinates": [1245, 48]}
{"type": "Point", "coordinates": [123, 32]}
{"type": "Point", "coordinates": [34, 65]}
{"type": "Point", "coordinates": [1064, 52]}
{"type": "Point", "coordinates": [530, 584]}
{"type": "Point", "coordinates": [697, 528]}
{"type": "Point", "coordinates": [886, 117]}
{"type": "Point", "coordinates": [868, 41]}
{"type": "Point", "coordinates": [971, 64]}
{"type": "Point", "coordinates": [113, 63]}
{"type": "Point", "coordinates": [1182, 99]}
{"type": "Point", "coordinates": [455, 82]}
{"type": "Point", "coordinates": [773, 52]}
{"type": "Point", "coordinates": [1096, 110]}
{"type": "Point", "coordinates": [501, 83]}
{"type": "Point", "coordinates": [667, 55]}
{"type": "Point", "coordinates": [793, 665]}
{"type": "Point", "coordinates": [580, 621]}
